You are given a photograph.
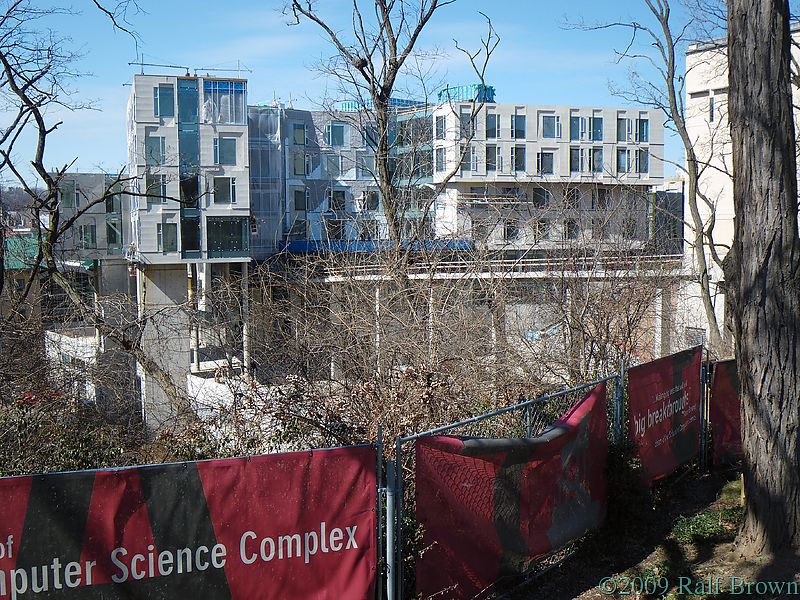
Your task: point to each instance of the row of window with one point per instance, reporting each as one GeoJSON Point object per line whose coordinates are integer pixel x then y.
{"type": "Point", "coordinates": [155, 150]}
{"type": "Point", "coordinates": [597, 199]}
{"type": "Point", "coordinates": [580, 128]}
{"type": "Point", "coordinates": [223, 102]}
{"type": "Point", "coordinates": [581, 160]}
{"type": "Point", "coordinates": [335, 200]}
{"type": "Point", "coordinates": [541, 229]}
{"type": "Point", "coordinates": [226, 235]}
{"type": "Point", "coordinates": [87, 234]}
{"type": "Point", "coordinates": [223, 190]}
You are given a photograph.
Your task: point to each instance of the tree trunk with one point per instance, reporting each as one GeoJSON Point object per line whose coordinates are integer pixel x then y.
{"type": "Point", "coordinates": [762, 270]}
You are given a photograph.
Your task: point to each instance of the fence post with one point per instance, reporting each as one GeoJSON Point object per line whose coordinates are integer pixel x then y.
{"type": "Point", "coordinates": [381, 490]}
{"type": "Point", "coordinates": [619, 404]}
{"type": "Point", "coordinates": [391, 569]}
{"type": "Point", "coordinates": [527, 420]}
{"type": "Point", "coordinates": [705, 372]}
{"type": "Point", "coordinates": [398, 501]}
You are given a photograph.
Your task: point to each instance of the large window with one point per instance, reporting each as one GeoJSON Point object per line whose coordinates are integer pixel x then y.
{"type": "Point", "coordinates": [335, 134]}
{"type": "Point", "coordinates": [164, 100]}
{"type": "Point", "coordinates": [492, 123]}
{"type": "Point", "coordinates": [572, 199]}
{"type": "Point", "coordinates": [642, 160]}
{"type": "Point", "coordinates": [365, 165]}
{"type": "Point", "coordinates": [69, 195]}
{"type": "Point", "coordinates": [492, 158]}
{"type": "Point", "coordinates": [336, 200]}
{"type": "Point", "coordinates": [299, 133]}
{"type": "Point", "coordinates": [571, 229]}
{"type": "Point", "coordinates": [545, 163]}
{"type": "Point", "coordinates": [113, 233]}
{"type": "Point", "coordinates": [575, 160]}
{"type": "Point", "coordinates": [643, 130]}
{"type": "Point", "coordinates": [510, 230]}
{"type": "Point", "coordinates": [601, 199]}
{"type": "Point", "coordinates": [551, 126]}
{"type": "Point", "coordinates": [518, 158]}
{"type": "Point", "coordinates": [87, 235]}
{"type": "Point", "coordinates": [225, 102]}
{"type": "Point", "coordinates": [596, 129]}
{"type": "Point", "coordinates": [227, 236]}
{"type": "Point", "coordinates": [371, 200]}
{"type": "Point", "coordinates": [300, 164]}
{"type": "Point", "coordinates": [333, 165]}
{"type": "Point", "coordinates": [155, 149]}
{"type": "Point", "coordinates": [518, 127]}
{"type": "Point", "coordinates": [190, 234]}
{"type": "Point", "coordinates": [156, 189]}
{"type": "Point", "coordinates": [466, 124]}
{"type": "Point", "coordinates": [574, 128]}
{"type": "Point", "coordinates": [225, 151]}
{"type": "Point", "coordinates": [335, 229]}
{"type": "Point", "coordinates": [623, 127]}
{"type": "Point", "coordinates": [167, 237]}
{"type": "Point", "coordinates": [224, 190]}
{"type": "Point", "coordinates": [441, 127]}
{"type": "Point", "coordinates": [190, 190]}
{"type": "Point", "coordinates": [596, 160]}
{"type": "Point", "coordinates": [468, 158]}
{"type": "Point", "coordinates": [301, 199]}
{"type": "Point", "coordinates": [441, 160]}
{"type": "Point", "coordinates": [541, 198]}
{"type": "Point", "coordinates": [623, 160]}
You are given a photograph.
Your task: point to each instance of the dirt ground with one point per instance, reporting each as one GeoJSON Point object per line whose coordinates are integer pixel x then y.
{"type": "Point", "coordinates": [676, 543]}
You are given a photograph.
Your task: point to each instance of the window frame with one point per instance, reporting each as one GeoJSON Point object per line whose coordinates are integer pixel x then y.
{"type": "Point", "coordinates": [231, 190]}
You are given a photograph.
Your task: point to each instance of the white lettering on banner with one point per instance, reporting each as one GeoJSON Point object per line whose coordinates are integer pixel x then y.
{"type": "Point", "coordinates": [667, 409]}
{"type": "Point", "coordinates": [129, 566]}
{"type": "Point", "coordinates": [289, 545]}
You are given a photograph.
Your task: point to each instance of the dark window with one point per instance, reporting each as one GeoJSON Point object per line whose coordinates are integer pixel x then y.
{"type": "Point", "coordinates": [227, 235]}
{"type": "Point", "coordinates": [164, 100]}
{"type": "Point", "coordinates": [190, 234]}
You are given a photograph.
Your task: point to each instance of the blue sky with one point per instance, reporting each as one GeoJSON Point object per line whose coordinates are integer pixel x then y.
{"type": "Point", "coordinates": [537, 61]}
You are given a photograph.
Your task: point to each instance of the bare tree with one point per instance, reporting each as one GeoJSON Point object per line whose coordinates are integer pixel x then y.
{"type": "Point", "coordinates": [660, 84]}
{"type": "Point", "coordinates": [762, 269]}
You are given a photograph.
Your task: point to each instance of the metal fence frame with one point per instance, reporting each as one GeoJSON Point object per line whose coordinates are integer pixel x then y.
{"type": "Point", "coordinates": [394, 470]}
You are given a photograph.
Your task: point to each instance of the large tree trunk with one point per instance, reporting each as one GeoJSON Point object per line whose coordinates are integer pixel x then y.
{"type": "Point", "coordinates": [762, 270]}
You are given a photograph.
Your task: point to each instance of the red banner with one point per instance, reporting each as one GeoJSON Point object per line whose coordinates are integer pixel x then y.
{"type": "Point", "coordinates": [488, 507]}
{"type": "Point", "coordinates": [664, 412]}
{"type": "Point", "coordinates": [296, 525]}
{"type": "Point", "coordinates": [724, 414]}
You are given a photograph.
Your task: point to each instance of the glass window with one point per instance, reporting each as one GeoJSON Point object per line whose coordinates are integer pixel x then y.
{"type": "Point", "coordinates": [335, 134]}
{"type": "Point", "coordinates": [190, 234]}
{"type": "Point", "coordinates": [575, 160]}
{"type": "Point", "coordinates": [299, 134]}
{"type": "Point", "coordinates": [541, 229]}
{"type": "Point", "coordinates": [491, 157]}
{"type": "Point", "coordinates": [571, 229]}
{"type": "Point", "coordinates": [518, 158]}
{"type": "Point", "coordinates": [642, 160]}
{"type": "Point", "coordinates": [599, 228]}
{"type": "Point", "coordinates": [336, 200]}
{"type": "Point", "coordinates": [227, 235]}
{"type": "Point", "coordinates": [299, 164]}
{"type": "Point", "coordinates": [622, 129]}
{"type": "Point", "coordinates": [69, 194]}
{"type": "Point", "coordinates": [156, 189]}
{"type": "Point", "coordinates": [572, 199]}
{"type": "Point", "coordinates": [365, 165]}
{"type": "Point", "coordinates": [623, 160]}
{"type": "Point", "coordinates": [167, 237]}
{"type": "Point", "coordinates": [224, 190]}
{"type": "Point", "coordinates": [466, 123]}
{"type": "Point", "coordinates": [596, 129]}
{"type": "Point", "coordinates": [155, 148]}
{"type": "Point", "coordinates": [225, 101]}
{"type": "Point", "coordinates": [225, 151]}
{"type": "Point", "coordinates": [491, 126]}
{"type": "Point", "coordinates": [190, 190]}
{"type": "Point", "coordinates": [371, 200]}
{"type": "Point", "coordinates": [369, 230]}
{"type": "Point", "coordinates": [113, 232]}
{"type": "Point", "coordinates": [301, 198]}
{"type": "Point", "coordinates": [596, 160]}
{"type": "Point", "coordinates": [371, 136]}
{"type": "Point", "coordinates": [87, 235]}
{"type": "Point", "coordinates": [518, 127]}
{"type": "Point", "coordinates": [545, 163]}
{"type": "Point", "coordinates": [164, 100]}
{"type": "Point", "coordinates": [335, 229]}
{"type": "Point", "coordinates": [441, 162]}
{"type": "Point", "coordinates": [333, 165]}
{"type": "Point", "coordinates": [601, 199]}
{"type": "Point", "coordinates": [643, 129]}
{"type": "Point", "coordinates": [711, 115]}
{"type": "Point", "coordinates": [541, 198]}
{"type": "Point", "coordinates": [188, 101]}
{"type": "Point", "coordinates": [468, 158]}
{"type": "Point", "coordinates": [510, 230]}
{"type": "Point", "coordinates": [441, 127]}
{"type": "Point", "coordinates": [551, 126]}
{"type": "Point", "coordinates": [574, 128]}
